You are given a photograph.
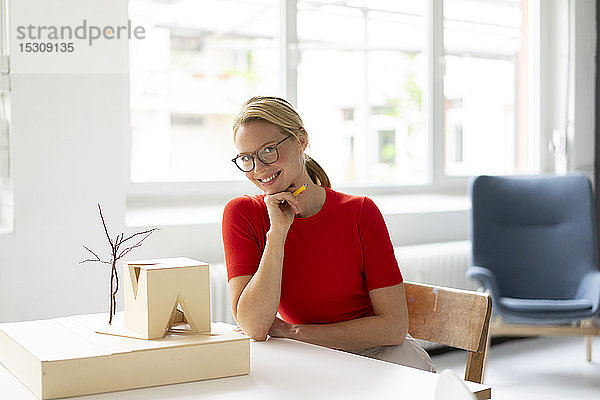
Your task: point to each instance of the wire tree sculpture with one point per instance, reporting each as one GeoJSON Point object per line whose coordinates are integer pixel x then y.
{"type": "Point", "coordinates": [116, 254]}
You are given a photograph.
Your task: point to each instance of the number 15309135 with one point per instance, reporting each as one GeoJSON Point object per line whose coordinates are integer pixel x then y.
{"type": "Point", "coordinates": [44, 47]}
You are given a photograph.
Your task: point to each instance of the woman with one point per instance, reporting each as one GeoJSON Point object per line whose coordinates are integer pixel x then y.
{"type": "Point", "coordinates": [322, 259]}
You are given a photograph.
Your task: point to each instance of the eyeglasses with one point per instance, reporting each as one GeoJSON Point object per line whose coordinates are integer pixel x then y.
{"type": "Point", "coordinates": [267, 155]}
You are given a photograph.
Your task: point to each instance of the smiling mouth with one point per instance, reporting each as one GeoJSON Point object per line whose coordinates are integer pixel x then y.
{"type": "Point", "coordinates": [269, 179]}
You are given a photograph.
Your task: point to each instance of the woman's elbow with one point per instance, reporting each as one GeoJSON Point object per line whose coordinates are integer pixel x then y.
{"type": "Point", "coordinates": [401, 337]}
{"type": "Point", "coordinates": [399, 333]}
{"type": "Point", "coordinates": [260, 335]}
{"type": "Point", "coordinates": [250, 329]}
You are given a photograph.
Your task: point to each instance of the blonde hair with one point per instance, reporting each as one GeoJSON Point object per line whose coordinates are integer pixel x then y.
{"type": "Point", "coordinates": [279, 112]}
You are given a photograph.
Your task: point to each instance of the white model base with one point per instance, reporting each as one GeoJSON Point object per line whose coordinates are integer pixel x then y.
{"type": "Point", "coordinates": [66, 356]}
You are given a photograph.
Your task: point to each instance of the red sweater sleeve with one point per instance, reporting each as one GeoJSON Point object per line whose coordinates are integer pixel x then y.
{"type": "Point", "coordinates": [240, 238]}
{"type": "Point", "coordinates": [380, 264]}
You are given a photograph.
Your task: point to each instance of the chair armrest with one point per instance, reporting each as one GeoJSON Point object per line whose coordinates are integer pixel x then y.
{"type": "Point", "coordinates": [486, 278]}
{"type": "Point", "coordinates": [589, 288]}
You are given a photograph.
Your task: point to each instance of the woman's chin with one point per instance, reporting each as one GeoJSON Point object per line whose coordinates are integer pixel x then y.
{"type": "Point", "coordinates": [277, 187]}
{"type": "Point", "coordinates": [270, 189]}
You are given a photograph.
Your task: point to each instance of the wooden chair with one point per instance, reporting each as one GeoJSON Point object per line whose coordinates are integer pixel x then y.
{"type": "Point", "coordinates": [453, 317]}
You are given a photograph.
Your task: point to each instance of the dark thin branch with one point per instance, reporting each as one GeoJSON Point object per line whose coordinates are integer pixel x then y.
{"type": "Point", "coordinates": [120, 240]}
{"type": "Point", "coordinates": [138, 244]}
{"type": "Point", "coordinates": [114, 247]}
{"type": "Point", "coordinates": [104, 224]}
{"type": "Point", "coordinates": [97, 259]}
{"type": "Point", "coordinates": [95, 255]}
{"type": "Point", "coordinates": [139, 233]}
{"type": "Point", "coordinates": [116, 283]}
{"type": "Point", "coordinates": [90, 260]}
{"type": "Point", "coordinates": [114, 294]}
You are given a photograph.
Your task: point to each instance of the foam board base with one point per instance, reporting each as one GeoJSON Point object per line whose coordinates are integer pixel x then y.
{"type": "Point", "coordinates": [63, 357]}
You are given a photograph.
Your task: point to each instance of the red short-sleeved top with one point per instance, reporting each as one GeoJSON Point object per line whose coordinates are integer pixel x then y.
{"type": "Point", "coordinates": [331, 259]}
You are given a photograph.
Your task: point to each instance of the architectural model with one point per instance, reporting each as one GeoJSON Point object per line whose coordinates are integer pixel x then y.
{"type": "Point", "coordinates": [164, 336]}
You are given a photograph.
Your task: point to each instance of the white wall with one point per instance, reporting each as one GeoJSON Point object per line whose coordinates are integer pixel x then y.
{"type": "Point", "coordinates": [68, 154]}
{"type": "Point", "coordinates": [69, 146]}
{"type": "Point", "coordinates": [67, 142]}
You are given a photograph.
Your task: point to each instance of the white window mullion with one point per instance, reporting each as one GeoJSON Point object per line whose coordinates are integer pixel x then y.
{"type": "Point", "coordinates": [4, 27]}
{"type": "Point", "coordinates": [4, 49]}
{"type": "Point", "coordinates": [289, 56]}
{"type": "Point", "coordinates": [435, 88]}
{"type": "Point", "coordinates": [534, 91]}
{"type": "Point", "coordinates": [4, 90]}
{"type": "Point", "coordinates": [6, 199]}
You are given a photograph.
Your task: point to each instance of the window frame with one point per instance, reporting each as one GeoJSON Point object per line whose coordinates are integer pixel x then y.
{"type": "Point", "coordinates": [6, 193]}
{"type": "Point", "coordinates": [439, 182]}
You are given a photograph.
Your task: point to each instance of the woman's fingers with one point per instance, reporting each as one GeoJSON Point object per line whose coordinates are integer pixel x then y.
{"type": "Point", "coordinates": [281, 208]}
{"type": "Point", "coordinates": [284, 197]}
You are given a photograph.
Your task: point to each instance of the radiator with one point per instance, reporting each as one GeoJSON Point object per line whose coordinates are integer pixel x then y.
{"type": "Point", "coordinates": [441, 264]}
{"type": "Point", "coordinates": [220, 303]}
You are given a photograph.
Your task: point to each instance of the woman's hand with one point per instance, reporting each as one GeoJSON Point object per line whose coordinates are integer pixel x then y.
{"type": "Point", "coordinates": [281, 329]}
{"type": "Point", "coordinates": [238, 329]}
{"type": "Point", "coordinates": [282, 207]}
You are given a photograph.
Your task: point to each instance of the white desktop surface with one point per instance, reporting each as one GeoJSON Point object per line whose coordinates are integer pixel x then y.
{"type": "Point", "coordinates": [282, 369]}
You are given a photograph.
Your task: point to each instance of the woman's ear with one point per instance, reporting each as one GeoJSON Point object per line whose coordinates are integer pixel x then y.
{"type": "Point", "coordinates": [303, 140]}
{"type": "Point", "coordinates": [303, 143]}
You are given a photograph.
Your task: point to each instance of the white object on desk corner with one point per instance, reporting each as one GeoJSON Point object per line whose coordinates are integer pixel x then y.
{"type": "Point", "coordinates": [451, 387]}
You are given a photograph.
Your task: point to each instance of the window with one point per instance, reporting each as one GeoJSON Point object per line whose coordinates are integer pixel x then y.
{"type": "Point", "coordinates": [6, 198]}
{"type": "Point", "coordinates": [199, 62]}
{"type": "Point", "coordinates": [362, 74]}
{"type": "Point", "coordinates": [372, 64]}
{"type": "Point", "coordinates": [485, 91]}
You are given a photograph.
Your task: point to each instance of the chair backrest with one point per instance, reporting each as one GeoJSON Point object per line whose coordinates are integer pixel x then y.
{"type": "Point", "coordinates": [454, 317]}
{"type": "Point", "coordinates": [537, 234]}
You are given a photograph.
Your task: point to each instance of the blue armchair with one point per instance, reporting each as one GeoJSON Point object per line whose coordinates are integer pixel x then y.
{"type": "Point", "coordinates": [535, 251]}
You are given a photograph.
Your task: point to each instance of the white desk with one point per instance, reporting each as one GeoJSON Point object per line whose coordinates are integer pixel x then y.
{"type": "Point", "coordinates": [285, 369]}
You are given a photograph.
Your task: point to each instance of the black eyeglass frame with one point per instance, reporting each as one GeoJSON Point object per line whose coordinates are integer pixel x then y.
{"type": "Point", "coordinates": [255, 155]}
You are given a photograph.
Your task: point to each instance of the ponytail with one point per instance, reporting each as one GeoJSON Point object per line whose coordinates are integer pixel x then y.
{"type": "Point", "coordinates": [316, 172]}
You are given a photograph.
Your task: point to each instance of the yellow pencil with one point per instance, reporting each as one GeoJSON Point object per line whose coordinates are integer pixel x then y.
{"type": "Point", "coordinates": [300, 190]}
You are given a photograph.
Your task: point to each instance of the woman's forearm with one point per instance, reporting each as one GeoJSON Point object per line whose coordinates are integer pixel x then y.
{"type": "Point", "coordinates": [356, 334]}
{"type": "Point", "coordinates": [258, 304]}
